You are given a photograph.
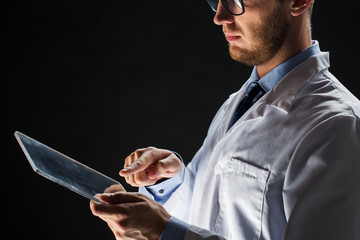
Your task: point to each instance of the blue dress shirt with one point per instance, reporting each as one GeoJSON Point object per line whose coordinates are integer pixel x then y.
{"type": "Point", "coordinates": [176, 229]}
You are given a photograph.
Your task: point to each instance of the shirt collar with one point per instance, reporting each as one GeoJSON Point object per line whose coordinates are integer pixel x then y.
{"type": "Point", "coordinates": [269, 81]}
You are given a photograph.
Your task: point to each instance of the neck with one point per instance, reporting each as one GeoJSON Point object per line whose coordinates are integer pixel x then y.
{"type": "Point", "coordinates": [298, 40]}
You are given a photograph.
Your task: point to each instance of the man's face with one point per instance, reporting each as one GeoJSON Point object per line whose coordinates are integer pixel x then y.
{"type": "Point", "coordinates": [257, 35]}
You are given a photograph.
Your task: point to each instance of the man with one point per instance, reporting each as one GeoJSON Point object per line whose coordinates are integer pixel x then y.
{"type": "Point", "coordinates": [282, 156]}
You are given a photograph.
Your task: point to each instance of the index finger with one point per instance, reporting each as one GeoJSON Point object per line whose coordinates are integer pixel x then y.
{"type": "Point", "coordinates": [143, 162]}
{"type": "Point", "coordinates": [147, 159]}
{"type": "Point", "coordinates": [137, 166]}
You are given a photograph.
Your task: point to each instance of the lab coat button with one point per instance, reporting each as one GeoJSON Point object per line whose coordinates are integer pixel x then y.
{"type": "Point", "coordinates": [161, 191]}
{"type": "Point", "coordinates": [217, 168]}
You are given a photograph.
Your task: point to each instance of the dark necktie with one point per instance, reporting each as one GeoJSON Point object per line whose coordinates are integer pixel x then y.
{"type": "Point", "coordinates": [253, 93]}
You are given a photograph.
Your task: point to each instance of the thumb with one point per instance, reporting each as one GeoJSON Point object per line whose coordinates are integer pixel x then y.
{"type": "Point", "coordinates": [120, 197]}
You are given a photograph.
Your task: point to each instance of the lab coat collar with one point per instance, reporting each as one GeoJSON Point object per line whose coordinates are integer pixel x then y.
{"type": "Point", "coordinates": [272, 78]}
{"type": "Point", "coordinates": [283, 94]}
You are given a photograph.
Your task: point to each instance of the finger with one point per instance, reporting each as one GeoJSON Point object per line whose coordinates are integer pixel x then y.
{"type": "Point", "coordinates": [141, 179]}
{"type": "Point", "coordinates": [146, 159]}
{"type": "Point", "coordinates": [139, 165]}
{"type": "Point", "coordinates": [167, 167]}
{"type": "Point", "coordinates": [122, 197]}
{"type": "Point", "coordinates": [131, 159]}
{"type": "Point", "coordinates": [140, 152]}
{"type": "Point", "coordinates": [97, 196]}
{"type": "Point", "coordinates": [117, 204]}
{"type": "Point", "coordinates": [131, 180]}
{"type": "Point", "coordinates": [115, 188]}
{"type": "Point", "coordinates": [128, 161]}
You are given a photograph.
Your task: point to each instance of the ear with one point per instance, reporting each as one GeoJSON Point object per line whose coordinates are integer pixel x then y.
{"type": "Point", "coordinates": [299, 6]}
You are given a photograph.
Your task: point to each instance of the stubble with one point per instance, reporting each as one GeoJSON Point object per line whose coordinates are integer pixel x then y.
{"type": "Point", "coordinates": [270, 36]}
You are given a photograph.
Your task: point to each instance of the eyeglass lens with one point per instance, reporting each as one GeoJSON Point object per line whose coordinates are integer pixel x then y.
{"type": "Point", "coordinates": [234, 7]}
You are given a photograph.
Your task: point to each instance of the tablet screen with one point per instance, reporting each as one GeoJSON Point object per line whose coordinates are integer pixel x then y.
{"type": "Point", "coordinates": [63, 170]}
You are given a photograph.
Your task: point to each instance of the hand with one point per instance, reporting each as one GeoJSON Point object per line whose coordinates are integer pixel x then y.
{"type": "Point", "coordinates": [146, 166]}
{"type": "Point", "coordinates": [131, 215]}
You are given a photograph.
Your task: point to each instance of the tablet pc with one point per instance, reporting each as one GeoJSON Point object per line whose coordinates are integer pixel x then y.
{"type": "Point", "coordinates": [64, 170]}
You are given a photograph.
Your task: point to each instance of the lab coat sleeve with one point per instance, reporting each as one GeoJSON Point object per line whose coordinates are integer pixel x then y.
{"type": "Point", "coordinates": [196, 233]}
{"type": "Point", "coordinates": [176, 193]}
{"type": "Point", "coordinates": [321, 191]}
{"type": "Point", "coordinates": [179, 230]}
{"type": "Point", "coordinates": [180, 200]}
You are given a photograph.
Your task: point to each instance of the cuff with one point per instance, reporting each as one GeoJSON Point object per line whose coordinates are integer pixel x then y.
{"type": "Point", "coordinates": [175, 229]}
{"type": "Point", "coordinates": [162, 191]}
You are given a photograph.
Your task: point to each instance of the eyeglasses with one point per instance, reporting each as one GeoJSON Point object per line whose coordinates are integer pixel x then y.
{"type": "Point", "coordinates": [234, 7]}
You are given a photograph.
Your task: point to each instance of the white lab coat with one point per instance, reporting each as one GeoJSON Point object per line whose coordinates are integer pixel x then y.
{"type": "Point", "coordinates": [288, 169]}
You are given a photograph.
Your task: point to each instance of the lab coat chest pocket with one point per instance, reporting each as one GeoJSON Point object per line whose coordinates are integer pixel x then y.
{"type": "Point", "coordinates": [241, 200]}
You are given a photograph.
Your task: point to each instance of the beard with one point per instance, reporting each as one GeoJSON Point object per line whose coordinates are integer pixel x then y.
{"type": "Point", "coordinates": [269, 38]}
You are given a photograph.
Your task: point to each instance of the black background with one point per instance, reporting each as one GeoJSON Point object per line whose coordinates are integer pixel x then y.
{"type": "Point", "coordinates": [98, 79]}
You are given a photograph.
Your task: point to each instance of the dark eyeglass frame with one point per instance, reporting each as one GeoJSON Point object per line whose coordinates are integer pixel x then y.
{"type": "Point", "coordinates": [215, 3]}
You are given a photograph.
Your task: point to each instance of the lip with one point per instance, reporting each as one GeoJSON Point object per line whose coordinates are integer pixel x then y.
{"type": "Point", "coordinates": [232, 37]}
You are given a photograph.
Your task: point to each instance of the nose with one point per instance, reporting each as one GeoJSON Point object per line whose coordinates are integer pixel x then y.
{"type": "Point", "coordinates": [222, 16]}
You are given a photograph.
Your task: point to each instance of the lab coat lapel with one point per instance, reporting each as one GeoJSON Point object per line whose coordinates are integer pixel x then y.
{"type": "Point", "coordinates": [281, 96]}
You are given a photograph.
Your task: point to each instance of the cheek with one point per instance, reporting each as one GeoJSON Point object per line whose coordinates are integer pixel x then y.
{"type": "Point", "coordinates": [249, 25]}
